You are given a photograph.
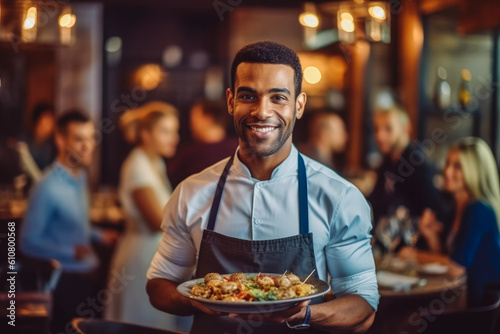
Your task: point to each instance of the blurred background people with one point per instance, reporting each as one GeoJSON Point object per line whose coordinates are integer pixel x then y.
{"type": "Point", "coordinates": [327, 137]}
{"type": "Point", "coordinates": [405, 178]}
{"type": "Point", "coordinates": [56, 224]}
{"type": "Point", "coordinates": [208, 122]}
{"type": "Point", "coordinates": [37, 149]}
{"type": "Point", "coordinates": [473, 241]}
{"type": "Point", "coordinates": [9, 156]}
{"type": "Point", "coordinates": [144, 189]}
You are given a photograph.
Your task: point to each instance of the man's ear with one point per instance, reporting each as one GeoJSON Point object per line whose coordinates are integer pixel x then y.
{"type": "Point", "coordinates": [59, 141]}
{"type": "Point", "coordinates": [229, 101]}
{"type": "Point", "coordinates": [300, 104]}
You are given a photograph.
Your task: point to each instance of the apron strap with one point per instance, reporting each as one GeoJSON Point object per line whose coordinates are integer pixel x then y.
{"type": "Point", "coordinates": [218, 195]}
{"type": "Point", "coordinates": [303, 202]}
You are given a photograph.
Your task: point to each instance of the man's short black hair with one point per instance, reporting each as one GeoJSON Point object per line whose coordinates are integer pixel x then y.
{"type": "Point", "coordinates": [269, 53]}
{"type": "Point", "coordinates": [73, 115]}
{"type": "Point", "coordinates": [39, 110]}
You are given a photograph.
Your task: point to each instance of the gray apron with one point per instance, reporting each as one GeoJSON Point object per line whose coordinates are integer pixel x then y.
{"type": "Point", "coordinates": [223, 254]}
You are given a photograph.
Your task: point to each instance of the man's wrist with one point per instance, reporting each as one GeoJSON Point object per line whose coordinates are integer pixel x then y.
{"type": "Point", "coordinates": [302, 322]}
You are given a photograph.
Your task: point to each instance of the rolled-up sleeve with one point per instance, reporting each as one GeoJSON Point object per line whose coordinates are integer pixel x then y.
{"type": "Point", "coordinates": [349, 254]}
{"type": "Point", "coordinates": [175, 258]}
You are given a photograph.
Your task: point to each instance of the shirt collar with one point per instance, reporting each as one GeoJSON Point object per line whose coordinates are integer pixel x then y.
{"type": "Point", "coordinates": [64, 172]}
{"type": "Point", "coordinates": [288, 166]}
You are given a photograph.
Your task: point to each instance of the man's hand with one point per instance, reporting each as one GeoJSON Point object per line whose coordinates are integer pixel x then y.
{"type": "Point", "coordinates": [109, 237]}
{"type": "Point", "coordinates": [430, 228]}
{"type": "Point", "coordinates": [82, 251]}
{"type": "Point", "coordinates": [200, 307]}
{"type": "Point", "coordinates": [428, 224]}
{"type": "Point", "coordinates": [297, 312]}
{"type": "Point", "coordinates": [164, 296]}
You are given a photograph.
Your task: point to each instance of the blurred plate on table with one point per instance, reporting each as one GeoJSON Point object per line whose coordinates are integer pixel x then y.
{"type": "Point", "coordinates": [433, 269]}
{"type": "Point", "coordinates": [255, 306]}
{"type": "Point", "coordinates": [397, 282]}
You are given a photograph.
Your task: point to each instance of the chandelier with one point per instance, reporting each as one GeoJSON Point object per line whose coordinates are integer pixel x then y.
{"type": "Point", "coordinates": [345, 21]}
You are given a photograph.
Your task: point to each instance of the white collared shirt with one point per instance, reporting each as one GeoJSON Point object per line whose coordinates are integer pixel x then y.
{"type": "Point", "coordinates": [339, 218]}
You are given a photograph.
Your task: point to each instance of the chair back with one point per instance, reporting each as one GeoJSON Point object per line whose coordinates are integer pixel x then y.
{"type": "Point", "coordinates": [32, 274]}
{"type": "Point", "coordinates": [481, 319]}
{"type": "Point", "coordinates": [35, 281]}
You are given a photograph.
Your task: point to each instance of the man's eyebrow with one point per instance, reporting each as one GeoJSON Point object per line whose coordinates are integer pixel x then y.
{"type": "Point", "coordinates": [246, 89]}
{"type": "Point", "coordinates": [272, 90]}
{"type": "Point", "coordinates": [279, 90]}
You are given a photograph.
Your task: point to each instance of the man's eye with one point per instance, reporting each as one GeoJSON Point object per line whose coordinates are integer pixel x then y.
{"type": "Point", "coordinates": [247, 97]}
{"type": "Point", "coordinates": [279, 98]}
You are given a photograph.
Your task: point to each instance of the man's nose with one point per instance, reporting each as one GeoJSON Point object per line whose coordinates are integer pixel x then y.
{"type": "Point", "coordinates": [87, 145]}
{"type": "Point", "coordinates": [263, 109]}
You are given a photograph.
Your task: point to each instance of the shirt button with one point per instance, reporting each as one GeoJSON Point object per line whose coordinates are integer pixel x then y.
{"type": "Point", "coordinates": [258, 221]}
{"type": "Point", "coordinates": [259, 185]}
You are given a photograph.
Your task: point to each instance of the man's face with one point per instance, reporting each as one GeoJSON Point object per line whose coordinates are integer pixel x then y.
{"type": "Point", "coordinates": [338, 134]}
{"type": "Point", "coordinates": [77, 144]}
{"type": "Point", "coordinates": [198, 122]}
{"type": "Point", "coordinates": [264, 106]}
{"type": "Point", "coordinates": [164, 136]}
{"type": "Point", "coordinates": [388, 131]}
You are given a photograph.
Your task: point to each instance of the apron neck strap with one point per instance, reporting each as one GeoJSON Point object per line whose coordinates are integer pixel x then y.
{"type": "Point", "coordinates": [303, 203]}
{"type": "Point", "coordinates": [218, 195]}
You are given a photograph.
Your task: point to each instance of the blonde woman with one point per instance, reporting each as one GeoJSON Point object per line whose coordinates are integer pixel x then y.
{"type": "Point", "coordinates": [144, 189]}
{"type": "Point", "coordinates": [471, 177]}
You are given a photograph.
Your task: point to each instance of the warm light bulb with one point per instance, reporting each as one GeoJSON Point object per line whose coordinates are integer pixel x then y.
{"type": "Point", "coordinates": [312, 75]}
{"type": "Point", "coordinates": [29, 23]}
{"type": "Point", "coordinates": [30, 20]}
{"type": "Point", "coordinates": [149, 76]}
{"type": "Point", "coordinates": [309, 20]}
{"type": "Point", "coordinates": [347, 25]}
{"type": "Point", "coordinates": [346, 16]}
{"type": "Point", "coordinates": [67, 20]}
{"type": "Point", "coordinates": [377, 12]}
{"type": "Point", "coordinates": [31, 12]}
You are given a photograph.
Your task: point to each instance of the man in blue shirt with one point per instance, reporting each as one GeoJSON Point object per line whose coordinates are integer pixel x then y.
{"type": "Point", "coordinates": [56, 224]}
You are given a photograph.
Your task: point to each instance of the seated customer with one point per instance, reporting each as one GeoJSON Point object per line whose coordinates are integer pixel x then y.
{"type": "Point", "coordinates": [37, 149]}
{"type": "Point", "coordinates": [208, 121]}
{"type": "Point", "coordinates": [56, 224]}
{"type": "Point", "coordinates": [405, 178]}
{"type": "Point", "coordinates": [473, 242]}
{"type": "Point", "coordinates": [327, 137]}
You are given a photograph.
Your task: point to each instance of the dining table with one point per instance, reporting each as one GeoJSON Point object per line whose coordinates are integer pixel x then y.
{"type": "Point", "coordinates": [31, 314]}
{"type": "Point", "coordinates": [411, 292]}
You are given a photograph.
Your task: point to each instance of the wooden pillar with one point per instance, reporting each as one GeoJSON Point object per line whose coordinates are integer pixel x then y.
{"type": "Point", "coordinates": [359, 55]}
{"type": "Point", "coordinates": [410, 41]}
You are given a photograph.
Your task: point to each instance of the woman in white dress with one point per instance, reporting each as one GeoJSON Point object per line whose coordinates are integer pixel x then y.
{"type": "Point", "coordinates": [144, 189]}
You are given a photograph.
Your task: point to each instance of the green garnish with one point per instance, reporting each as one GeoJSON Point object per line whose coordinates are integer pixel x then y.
{"type": "Point", "coordinates": [261, 296]}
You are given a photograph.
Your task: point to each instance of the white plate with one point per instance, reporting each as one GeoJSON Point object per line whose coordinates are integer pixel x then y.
{"type": "Point", "coordinates": [394, 281]}
{"type": "Point", "coordinates": [254, 307]}
{"type": "Point", "coordinates": [433, 269]}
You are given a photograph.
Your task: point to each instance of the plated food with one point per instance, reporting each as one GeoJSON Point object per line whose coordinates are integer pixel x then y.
{"type": "Point", "coordinates": [253, 298]}
{"type": "Point", "coordinates": [239, 287]}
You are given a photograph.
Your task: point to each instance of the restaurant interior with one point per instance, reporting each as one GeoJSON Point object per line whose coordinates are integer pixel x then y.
{"type": "Point", "coordinates": [403, 102]}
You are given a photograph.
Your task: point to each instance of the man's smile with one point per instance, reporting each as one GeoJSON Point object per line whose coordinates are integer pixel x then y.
{"type": "Point", "coordinates": [261, 130]}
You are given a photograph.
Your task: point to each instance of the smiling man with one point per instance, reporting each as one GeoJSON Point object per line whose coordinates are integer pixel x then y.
{"type": "Point", "coordinates": [57, 225]}
{"type": "Point", "coordinates": [268, 209]}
